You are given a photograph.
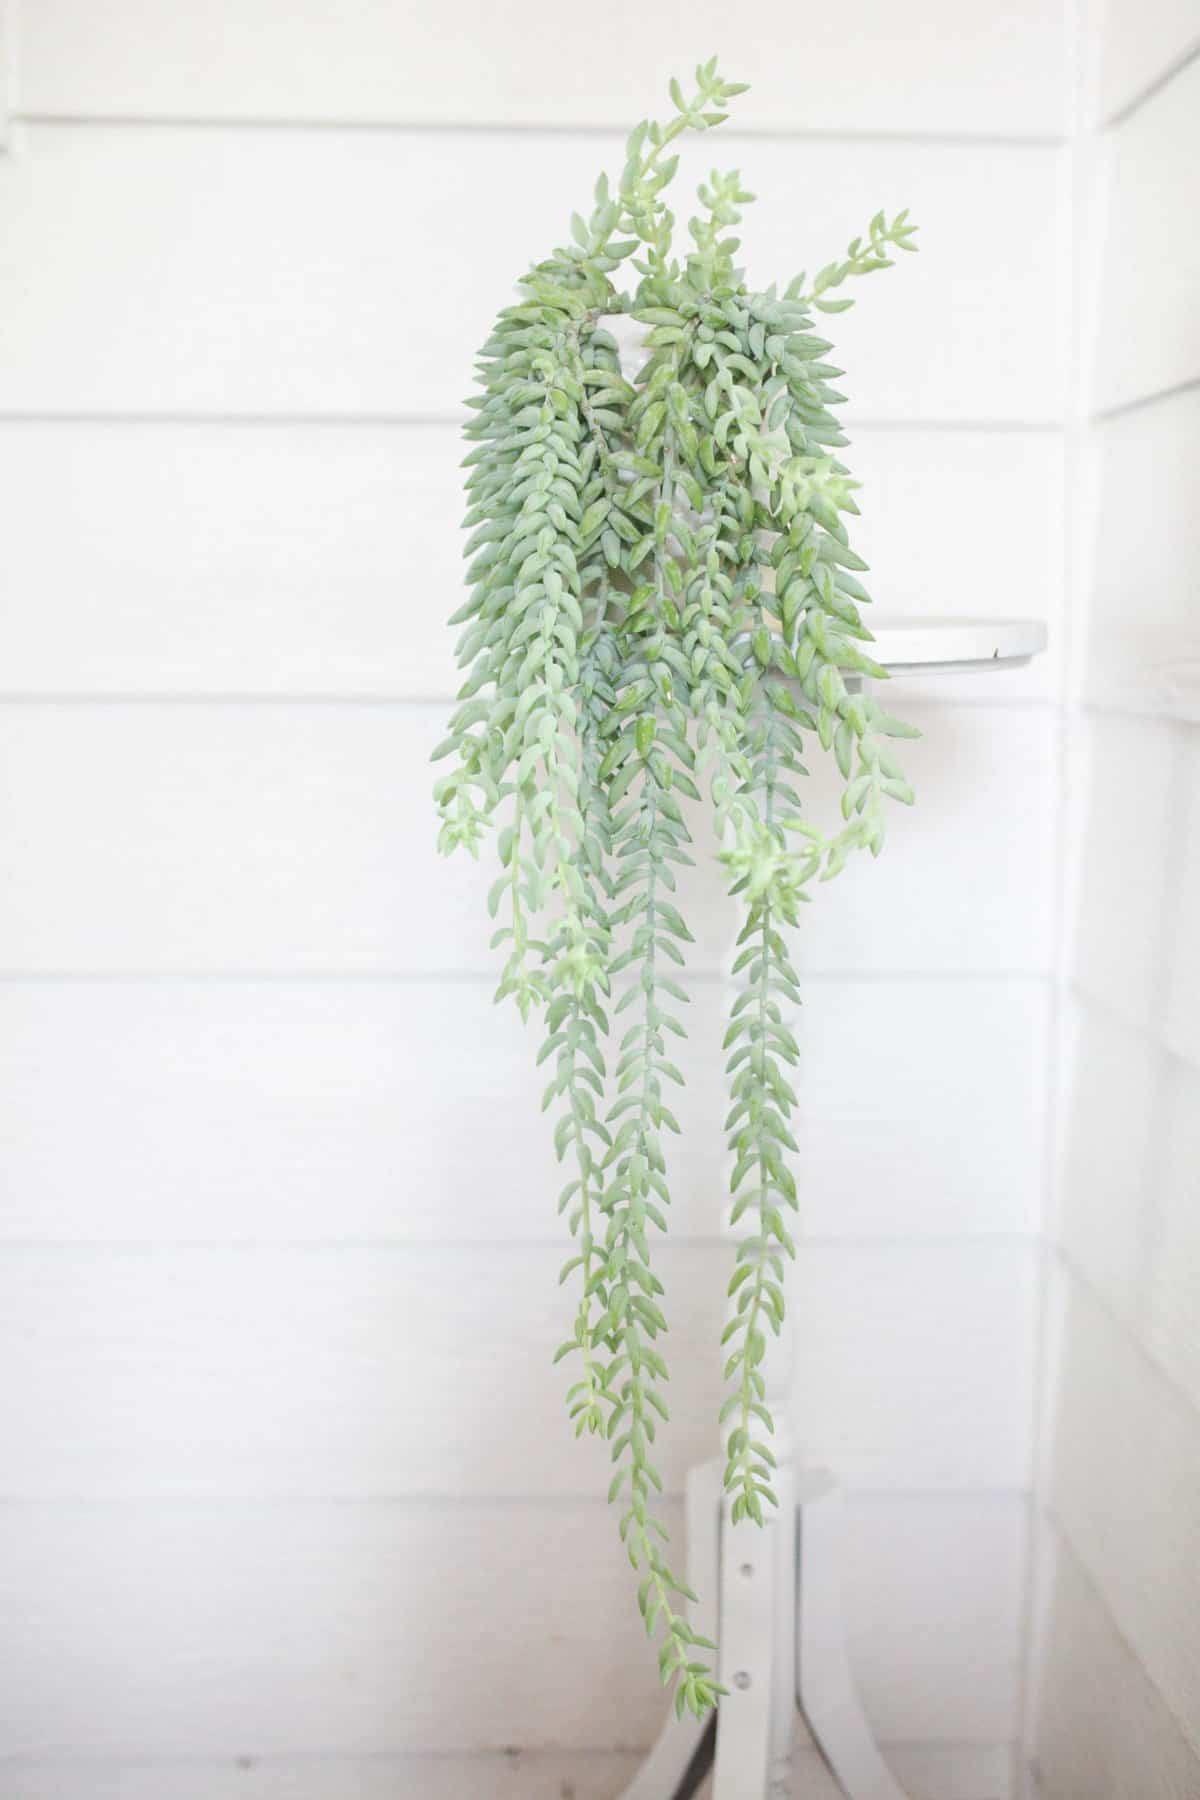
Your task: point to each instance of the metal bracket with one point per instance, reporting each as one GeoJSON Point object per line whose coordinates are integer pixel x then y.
{"type": "Point", "coordinates": [771, 1598]}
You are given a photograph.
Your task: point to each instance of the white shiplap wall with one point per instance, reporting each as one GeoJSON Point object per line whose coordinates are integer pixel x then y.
{"type": "Point", "coordinates": [278, 1235]}
{"type": "Point", "coordinates": [1115, 1706]}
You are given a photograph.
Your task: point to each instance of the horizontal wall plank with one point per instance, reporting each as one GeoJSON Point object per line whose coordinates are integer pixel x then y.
{"type": "Point", "coordinates": [267, 60]}
{"type": "Point", "coordinates": [325, 1372]}
{"type": "Point", "coordinates": [333, 1110]}
{"type": "Point", "coordinates": [411, 1111]}
{"type": "Point", "coordinates": [301, 838]}
{"type": "Point", "coordinates": [917, 1361]}
{"type": "Point", "coordinates": [260, 1630]}
{"type": "Point", "coordinates": [1129, 1217]}
{"type": "Point", "coordinates": [1142, 44]}
{"type": "Point", "coordinates": [937, 1772]}
{"type": "Point", "coordinates": [351, 1630]}
{"type": "Point", "coordinates": [1141, 847]}
{"type": "Point", "coordinates": [1143, 646]}
{"type": "Point", "coordinates": [932, 1579]}
{"type": "Point", "coordinates": [1100, 1728]}
{"type": "Point", "coordinates": [347, 1372]}
{"type": "Point", "coordinates": [1125, 1491]}
{"type": "Point", "coordinates": [1149, 325]}
{"type": "Point", "coordinates": [184, 559]}
{"type": "Point", "coordinates": [176, 270]}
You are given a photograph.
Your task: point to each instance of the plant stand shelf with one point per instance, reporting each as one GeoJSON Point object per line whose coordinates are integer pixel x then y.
{"type": "Point", "coordinates": [940, 646]}
{"type": "Point", "coordinates": [771, 1598]}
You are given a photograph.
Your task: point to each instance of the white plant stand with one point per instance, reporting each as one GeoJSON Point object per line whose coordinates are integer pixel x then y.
{"type": "Point", "coordinates": [771, 1597]}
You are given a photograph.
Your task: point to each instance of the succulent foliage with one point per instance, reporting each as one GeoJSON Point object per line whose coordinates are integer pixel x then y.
{"type": "Point", "coordinates": [663, 610]}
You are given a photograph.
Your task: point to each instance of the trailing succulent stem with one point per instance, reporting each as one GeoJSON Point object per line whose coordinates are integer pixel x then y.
{"type": "Point", "coordinates": [663, 609]}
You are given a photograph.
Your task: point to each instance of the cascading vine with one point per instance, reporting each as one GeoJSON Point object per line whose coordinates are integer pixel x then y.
{"type": "Point", "coordinates": [663, 608]}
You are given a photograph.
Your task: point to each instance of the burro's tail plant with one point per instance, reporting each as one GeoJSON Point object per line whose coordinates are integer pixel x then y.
{"type": "Point", "coordinates": [663, 605]}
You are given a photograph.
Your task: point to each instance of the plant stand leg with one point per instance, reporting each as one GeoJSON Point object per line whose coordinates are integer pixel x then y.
{"type": "Point", "coordinates": [756, 1720]}
{"type": "Point", "coordinates": [782, 1645]}
{"type": "Point", "coordinates": [825, 1690]}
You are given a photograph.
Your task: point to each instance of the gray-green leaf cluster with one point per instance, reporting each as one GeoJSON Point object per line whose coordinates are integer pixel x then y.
{"type": "Point", "coordinates": [663, 610]}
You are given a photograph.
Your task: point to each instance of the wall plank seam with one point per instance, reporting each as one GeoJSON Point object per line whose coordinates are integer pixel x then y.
{"type": "Point", "coordinates": [467, 129]}
{"type": "Point", "coordinates": [485, 1500]}
{"type": "Point", "coordinates": [705, 977]}
{"type": "Point", "coordinates": [1124, 408]}
{"type": "Point", "coordinates": [393, 702]}
{"type": "Point", "coordinates": [1153, 88]}
{"type": "Point", "coordinates": [997, 1243]}
{"type": "Point", "coordinates": [12, 417]}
